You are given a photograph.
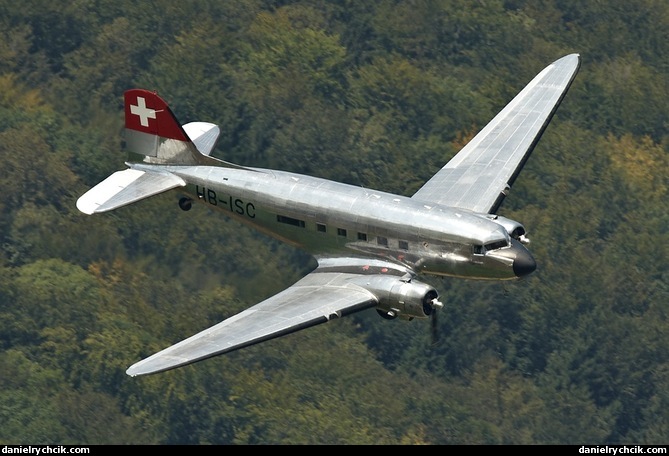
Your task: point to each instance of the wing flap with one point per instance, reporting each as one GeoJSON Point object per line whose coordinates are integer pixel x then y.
{"type": "Point", "coordinates": [313, 300]}
{"type": "Point", "coordinates": [480, 175]}
{"type": "Point", "coordinates": [125, 187]}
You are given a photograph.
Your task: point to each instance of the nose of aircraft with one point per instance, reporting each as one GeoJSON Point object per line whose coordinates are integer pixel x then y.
{"type": "Point", "coordinates": [524, 263]}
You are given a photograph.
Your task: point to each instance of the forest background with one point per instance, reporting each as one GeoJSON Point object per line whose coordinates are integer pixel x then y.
{"type": "Point", "coordinates": [377, 93]}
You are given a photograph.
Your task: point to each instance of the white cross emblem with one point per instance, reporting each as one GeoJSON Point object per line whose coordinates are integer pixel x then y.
{"type": "Point", "coordinates": [143, 112]}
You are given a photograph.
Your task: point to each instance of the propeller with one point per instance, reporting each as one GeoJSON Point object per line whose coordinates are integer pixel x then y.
{"type": "Point", "coordinates": [435, 328]}
{"type": "Point", "coordinates": [434, 305]}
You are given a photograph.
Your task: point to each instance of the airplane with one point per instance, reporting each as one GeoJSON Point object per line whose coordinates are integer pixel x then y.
{"type": "Point", "coordinates": [370, 246]}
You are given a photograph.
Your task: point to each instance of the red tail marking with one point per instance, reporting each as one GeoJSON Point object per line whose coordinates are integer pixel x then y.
{"type": "Point", "coordinates": [148, 113]}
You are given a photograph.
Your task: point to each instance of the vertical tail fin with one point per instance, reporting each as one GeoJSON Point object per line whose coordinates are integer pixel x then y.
{"type": "Point", "coordinates": [153, 131]}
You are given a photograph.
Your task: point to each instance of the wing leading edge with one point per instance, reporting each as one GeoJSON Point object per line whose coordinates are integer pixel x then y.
{"type": "Point", "coordinates": [479, 176]}
{"type": "Point", "coordinates": [315, 299]}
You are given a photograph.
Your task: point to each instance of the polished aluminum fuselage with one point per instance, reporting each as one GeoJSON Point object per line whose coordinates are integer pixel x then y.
{"type": "Point", "coordinates": [334, 219]}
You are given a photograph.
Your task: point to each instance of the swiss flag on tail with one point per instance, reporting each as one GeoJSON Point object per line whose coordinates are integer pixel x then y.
{"type": "Point", "coordinates": [146, 112]}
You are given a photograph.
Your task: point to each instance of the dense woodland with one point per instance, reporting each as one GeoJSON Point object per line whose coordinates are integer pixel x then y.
{"type": "Point", "coordinates": [377, 93]}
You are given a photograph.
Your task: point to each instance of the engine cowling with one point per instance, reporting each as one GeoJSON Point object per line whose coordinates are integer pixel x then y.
{"type": "Point", "coordinates": [515, 229]}
{"type": "Point", "coordinates": [402, 298]}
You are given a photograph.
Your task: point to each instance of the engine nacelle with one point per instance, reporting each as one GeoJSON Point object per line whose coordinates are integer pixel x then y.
{"type": "Point", "coordinates": [402, 298]}
{"type": "Point", "coordinates": [515, 229]}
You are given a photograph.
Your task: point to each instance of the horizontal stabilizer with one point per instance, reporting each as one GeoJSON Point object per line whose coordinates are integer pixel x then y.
{"type": "Point", "coordinates": [125, 187]}
{"type": "Point", "coordinates": [204, 135]}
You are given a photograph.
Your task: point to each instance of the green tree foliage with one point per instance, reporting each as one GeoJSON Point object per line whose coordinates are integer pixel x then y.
{"type": "Point", "coordinates": [28, 399]}
{"type": "Point", "coordinates": [379, 94]}
{"type": "Point", "coordinates": [393, 98]}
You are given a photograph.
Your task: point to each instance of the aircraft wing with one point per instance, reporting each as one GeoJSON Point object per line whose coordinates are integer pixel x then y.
{"type": "Point", "coordinates": [323, 294]}
{"type": "Point", "coordinates": [479, 176]}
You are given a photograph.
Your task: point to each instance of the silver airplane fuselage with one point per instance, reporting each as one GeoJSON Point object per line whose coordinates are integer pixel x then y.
{"type": "Point", "coordinates": [370, 245]}
{"type": "Point", "coordinates": [332, 219]}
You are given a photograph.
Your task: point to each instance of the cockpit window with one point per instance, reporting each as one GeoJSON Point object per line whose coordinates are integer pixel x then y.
{"type": "Point", "coordinates": [494, 245]}
{"type": "Point", "coordinates": [497, 244]}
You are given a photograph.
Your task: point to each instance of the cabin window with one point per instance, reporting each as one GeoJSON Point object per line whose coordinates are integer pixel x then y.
{"type": "Point", "coordinates": [341, 232]}
{"type": "Point", "coordinates": [362, 236]}
{"type": "Point", "coordinates": [382, 241]}
{"type": "Point", "coordinates": [478, 250]}
{"type": "Point", "coordinates": [404, 245]}
{"type": "Point", "coordinates": [321, 227]}
{"type": "Point", "coordinates": [290, 221]}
